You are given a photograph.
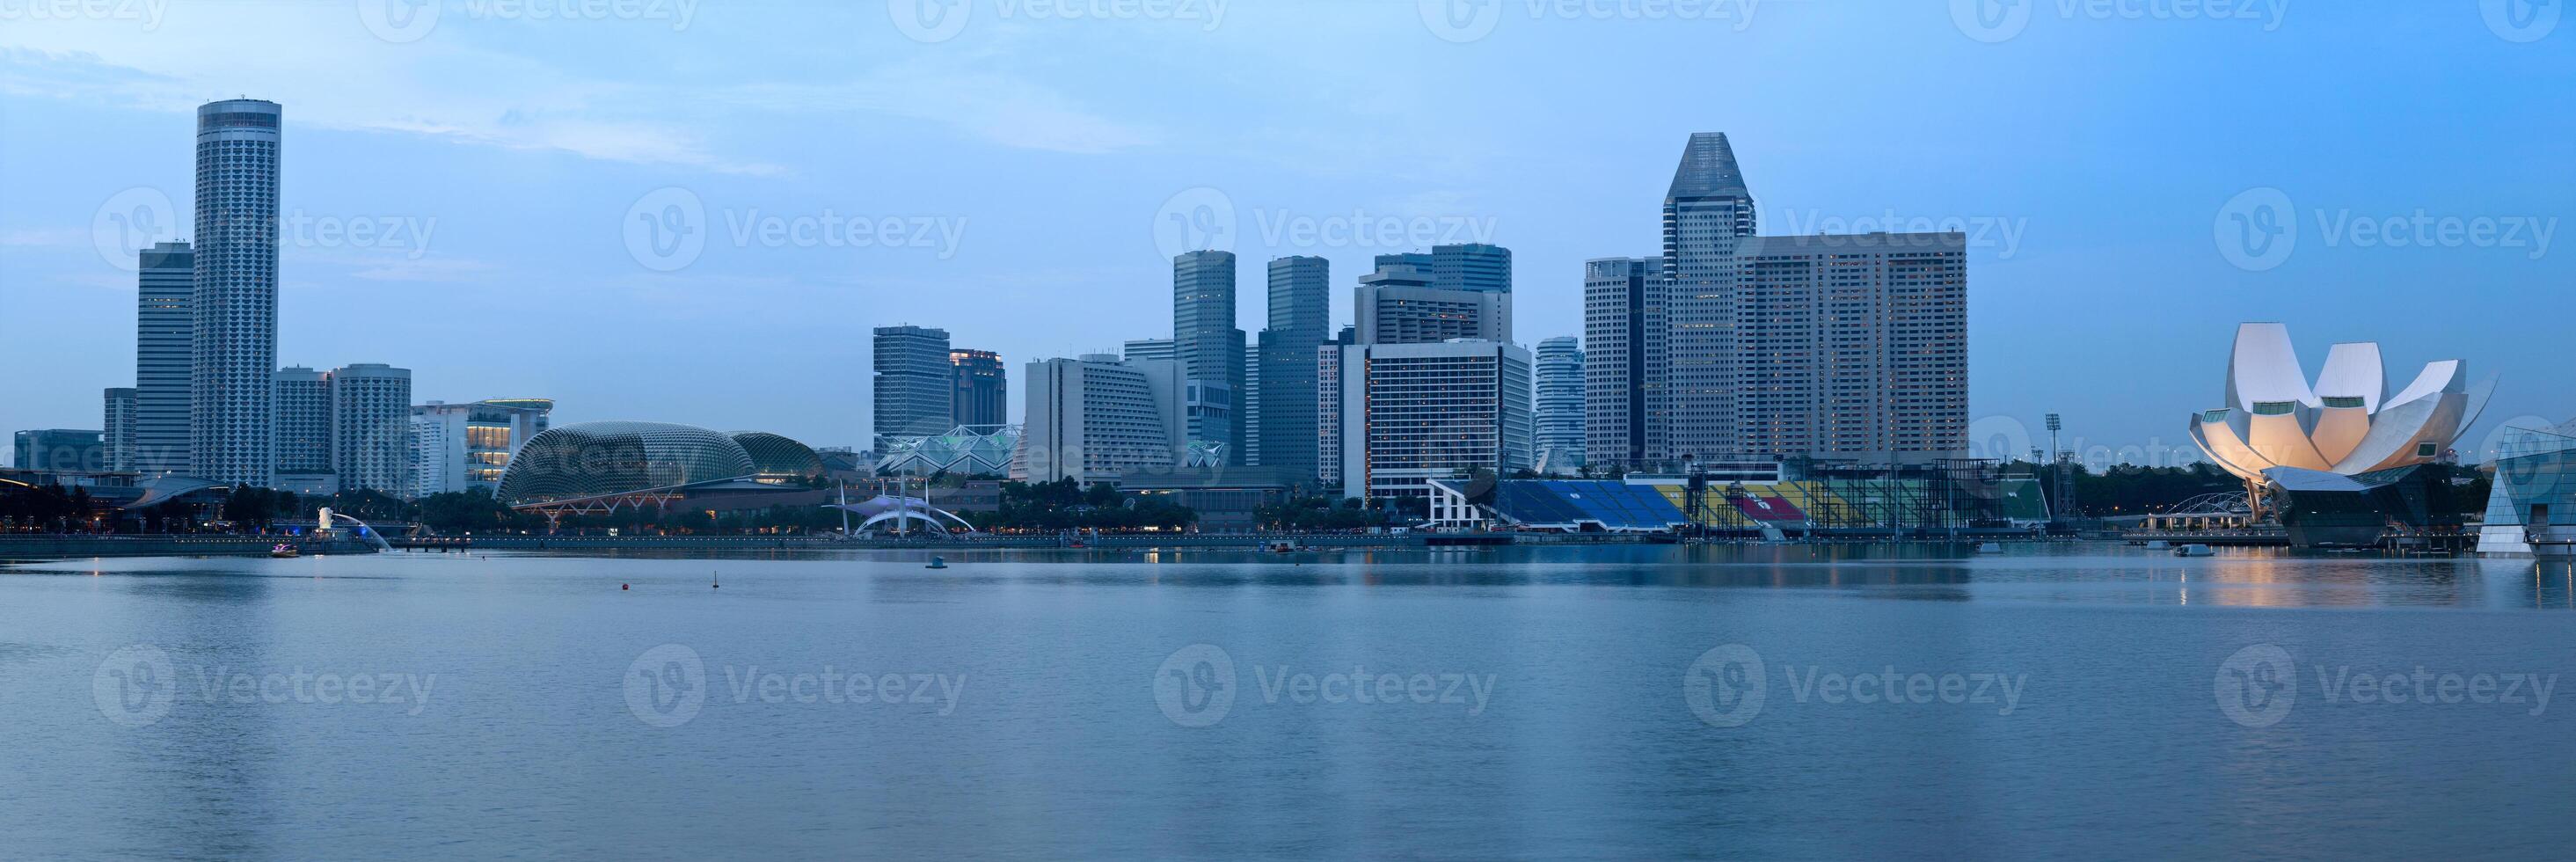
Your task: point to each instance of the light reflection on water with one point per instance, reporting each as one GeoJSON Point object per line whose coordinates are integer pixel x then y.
{"type": "Point", "coordinates": [1058, 747]}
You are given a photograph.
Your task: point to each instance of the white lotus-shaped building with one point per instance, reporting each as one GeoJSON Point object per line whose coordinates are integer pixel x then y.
{"type": "Point", "coordinates": [2345, 423]}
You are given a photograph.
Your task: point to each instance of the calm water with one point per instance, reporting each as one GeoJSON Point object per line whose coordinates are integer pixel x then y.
{"type": "Point", "coordinates": [2073, 701]}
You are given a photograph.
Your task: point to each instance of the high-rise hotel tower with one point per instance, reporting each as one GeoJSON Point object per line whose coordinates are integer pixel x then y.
{"type": "Point", "coordinates": [232, 413]}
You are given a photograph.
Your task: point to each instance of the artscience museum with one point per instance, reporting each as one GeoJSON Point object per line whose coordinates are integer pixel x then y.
{"type": "Point", "coordinates": [2344, 422]}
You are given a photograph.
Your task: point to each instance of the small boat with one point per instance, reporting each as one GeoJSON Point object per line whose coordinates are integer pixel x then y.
{"type": "Point", "coordinates": [937, 563]}
{"type": "Point", "coordinates": [284, 552]}
{"type": "Point", "coordinates": [1990, 548]}
{"type": "Point", "coordinates": [2193, 550]}
{"type": "Point", "coordinates": [2158, 545]}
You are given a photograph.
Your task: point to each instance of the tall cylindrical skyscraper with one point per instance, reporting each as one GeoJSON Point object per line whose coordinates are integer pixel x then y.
{"type": "Point", "coordinates": [232, 411]}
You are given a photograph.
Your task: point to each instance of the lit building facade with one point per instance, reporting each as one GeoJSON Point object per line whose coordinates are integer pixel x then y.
{"type": "Point", "coordinates": [1559, 406]}
{"type": "Point", "coordinates": [2344, 423]}
{"type": "Point", "coordinates": [232, 392]}
{"type": "Point", "coordinates": [465, 447]}
{"type": "Point", "coordinates": [1411, 413]}
{"type": "Point", "coordinates": [164, 347]}
{"type": "Point", "coordinates": [983, 389]}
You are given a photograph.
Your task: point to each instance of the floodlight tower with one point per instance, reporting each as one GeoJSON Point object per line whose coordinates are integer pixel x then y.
{"type": "Point", "coordinates": [2063, 494]}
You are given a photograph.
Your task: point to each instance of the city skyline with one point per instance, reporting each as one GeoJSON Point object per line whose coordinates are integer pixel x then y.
{"type": "Point", "coordinates": [2061, 204]}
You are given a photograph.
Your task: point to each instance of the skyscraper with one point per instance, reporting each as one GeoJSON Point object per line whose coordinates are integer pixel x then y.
{"type": "Point", "coordinates": [1842, 347]}
{"type": "Point", "coordinates": [425, 470]}
{"type": "Point", "coordinates": [371, 426]}
{"type": "Point", "coordinates": [1143, 349]}
{"type": "Point", "coordinates": [1250, 402]}
{"type": "Point", "coordinates": [915, 384]}
{"type": "Point", "coordinates": [1406, 414]}
{"type": "Point", "coordinates": [164, 338]}
{"type": "Point", "coordinates": [983, 393]}
{"type": "Point", "coordinates": [304, 424]}
{"type": "Point", "coordinates": [1098, 418]}
{"type": "Point", "coordinates": [1852, 346]}
{"type": "Point", "coordinates": [119, 407]}
{"type": "Point", "coordinates": [1469, 266]}
{"type": "Point", "coordinates": [1560, 406]}
{"type": "Point", "coordinates": [1398, 304]}
{"type": "Point", "coordinates": [1300, 311]}
{"type": "Point", "coordinates": [1624, 336]}
{"type": "Point", "coordinates": [234, 307]}
{"type": "Point", "coordinates": [1209, 347]}
{"type": "Point", "coordinates": [1707, 211]}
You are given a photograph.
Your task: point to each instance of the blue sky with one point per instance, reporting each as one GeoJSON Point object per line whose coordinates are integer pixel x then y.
{"type": "Point", "coordinates": [477, 180]}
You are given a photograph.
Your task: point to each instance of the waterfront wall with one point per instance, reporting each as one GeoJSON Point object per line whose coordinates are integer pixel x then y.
{"type": "Point", "coordinates": [60, 547]}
